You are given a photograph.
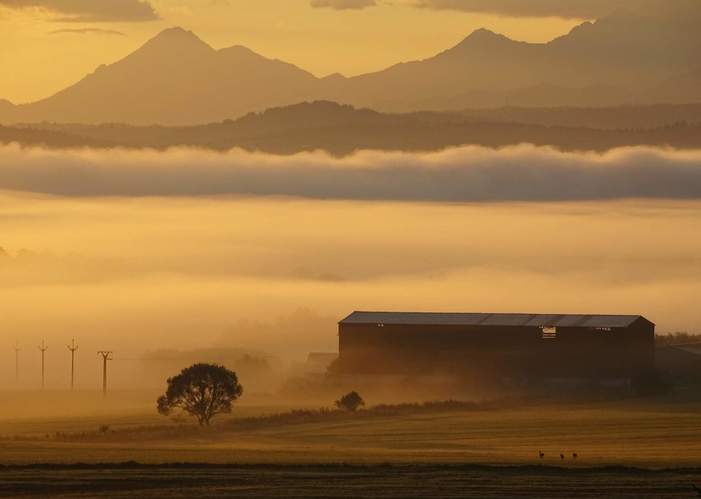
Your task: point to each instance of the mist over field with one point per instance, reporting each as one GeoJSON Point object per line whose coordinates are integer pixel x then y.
{"type": "Point", "coordinates": [147, 251]}
{"type": "Point", "coordinates": [350, 248]}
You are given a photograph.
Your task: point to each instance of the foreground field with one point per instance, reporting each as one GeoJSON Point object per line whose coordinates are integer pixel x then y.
{"type": "Point", "coordinates": [657, 434]}
{"type": "Point", "coordinates": [624, 449]}
{"type": "Point", "coordinates": [354, 481]}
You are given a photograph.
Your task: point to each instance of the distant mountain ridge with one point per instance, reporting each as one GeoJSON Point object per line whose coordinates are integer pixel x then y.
{"type": "Point", "coordinates": [342, 129]}
{"type": "Point", "coordinates": [177, 79]}
{"type": "Point", "coordinates": [174, 78]}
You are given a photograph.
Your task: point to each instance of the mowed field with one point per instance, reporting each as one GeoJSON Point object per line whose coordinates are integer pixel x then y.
{"type": "Point", "coordinates": [625, 449]}
{"type": "Point", "coordinates": [644, 434]}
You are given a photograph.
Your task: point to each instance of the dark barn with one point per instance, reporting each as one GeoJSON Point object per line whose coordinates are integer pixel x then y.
{"type": "Point", "coordinates": [530, 346]}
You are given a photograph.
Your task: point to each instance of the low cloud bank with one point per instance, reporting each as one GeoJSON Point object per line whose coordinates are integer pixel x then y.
{"type": "Point", "coordinates": [522, 173]}
{"type": "Point", "coordinates": [577, 9]}
{"type": "Point", "coordinates": [343, 4]}
{"type": "Point", "coordinates": [90, 10]}
{"type": "Point", "coordinates": [86, 31]}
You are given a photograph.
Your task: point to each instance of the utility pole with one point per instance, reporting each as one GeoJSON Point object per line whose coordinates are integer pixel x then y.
{"type": "Point", "coordinates": [73, 348]}
{"type": "Point", "coordinates": [17, 350]}
{"type": "Point", "coordinates": [106, 356]}
{"type": "Point", "coordinates": [43, 348]}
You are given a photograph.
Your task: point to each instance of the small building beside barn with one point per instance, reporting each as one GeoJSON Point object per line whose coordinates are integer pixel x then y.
{"type": "Point", "coordinates": [514, 346]}
{"type": "Point", "coordinates": [681, 363]}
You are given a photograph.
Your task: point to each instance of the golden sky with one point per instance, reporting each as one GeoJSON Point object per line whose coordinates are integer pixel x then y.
{"type": "Point", "coordinates": [44, 50]}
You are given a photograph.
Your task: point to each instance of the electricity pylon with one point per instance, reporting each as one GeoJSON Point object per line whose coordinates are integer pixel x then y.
{"type": "Point", "coordinates": [43, 348]}
{"type": "Point", "coordinates": [106, 356]}
{"type": "Point", "coordinates": [73, 348]}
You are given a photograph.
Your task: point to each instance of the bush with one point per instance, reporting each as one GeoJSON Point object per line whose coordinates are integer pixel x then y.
{"type": "Point", "coordinates": [350, 402]}
{"type": "Point", "coordinates": [680, 338]}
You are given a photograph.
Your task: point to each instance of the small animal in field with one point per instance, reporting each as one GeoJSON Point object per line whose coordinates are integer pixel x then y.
{"type": "Point", "coordinates": [574, 455]}
{"type": "Point", "coordinates": [541, 454]}
{"type": "Point", "coordinates": [562, 456]}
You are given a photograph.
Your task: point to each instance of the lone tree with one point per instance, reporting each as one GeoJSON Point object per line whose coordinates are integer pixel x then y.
{"type": "Point", "coordinates": [202, 391]}
{"type": "Point", "coordinates": [350, 402]}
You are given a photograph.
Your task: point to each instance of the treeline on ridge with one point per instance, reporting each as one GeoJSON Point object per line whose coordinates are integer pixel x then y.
{"type": "Point", "coordinates": [341, 130]}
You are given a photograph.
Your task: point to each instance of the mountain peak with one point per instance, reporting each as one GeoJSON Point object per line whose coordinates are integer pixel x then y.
{"type": "Point", "coordinates": [483, 39]}
{"type": "Point", "coordinates": [175, 32]}
{"type": "Point", "coordinates": [176, 38]}
{"type": "Point", "coordinates": [485, 35]}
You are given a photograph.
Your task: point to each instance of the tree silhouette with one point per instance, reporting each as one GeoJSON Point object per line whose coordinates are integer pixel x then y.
{"type": "Point", "coordinates": [202, 391]}
{"type": "Point", "coordinates": [350, 402]}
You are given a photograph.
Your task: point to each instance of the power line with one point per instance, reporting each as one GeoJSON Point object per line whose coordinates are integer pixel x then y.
{"type": "Point", "coordinates": [106, 356]}
{"type": "Point", "coordinates": [43, 348]}
{"type": "Point", "coordinates": [73, 348]}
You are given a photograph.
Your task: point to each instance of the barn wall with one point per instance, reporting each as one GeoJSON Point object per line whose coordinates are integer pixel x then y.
{"type": "Point", "coordinates": [513, 350]}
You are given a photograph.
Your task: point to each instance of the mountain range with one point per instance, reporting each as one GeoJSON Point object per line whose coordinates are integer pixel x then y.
{"type": "Point", "coordinates": [177, 79]}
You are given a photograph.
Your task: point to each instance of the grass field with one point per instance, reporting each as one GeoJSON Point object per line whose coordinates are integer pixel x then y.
{"type": "Point", "coordinates": [354, 481]}
{"type": "Point", "coordinates": [641, 449]}
{"type": "Point", "coordinates": [645, 434]}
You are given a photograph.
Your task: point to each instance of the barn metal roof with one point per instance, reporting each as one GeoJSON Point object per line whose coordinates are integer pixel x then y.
{"type": "Point", "coordinates": [477, 319]}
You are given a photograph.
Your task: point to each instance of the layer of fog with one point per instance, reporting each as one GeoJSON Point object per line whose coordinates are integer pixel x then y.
{"type": "Point", "coordinates": [273, 275]}
{"type": "Point", "coordinates": [522, 173]}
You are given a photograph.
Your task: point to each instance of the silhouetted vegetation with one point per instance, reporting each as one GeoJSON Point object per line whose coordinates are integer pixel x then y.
{"type": "Point", "coordinates": [680, 338]}
{"type": "Point", "coordinates": [306, 416]}
{"type": "Point", "coordinates": [299, 416]}
{"type": "Point", "coordinates": [341, 130]}
{"type": "Point", "coordinates": [350, 402]}
{"type": "Point", "coordinates": [626, 117]}
{"type": "Point", "coordinates": [202, 391]}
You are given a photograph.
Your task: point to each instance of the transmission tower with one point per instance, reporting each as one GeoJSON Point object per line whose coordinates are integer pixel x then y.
{"type": "Point", "coordinates": [106, 356]}
{"type": "Point", "coordinates": [43, 348]}
{"type": "Point", "coordinates": [73, 348]}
